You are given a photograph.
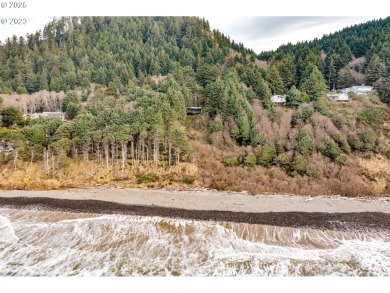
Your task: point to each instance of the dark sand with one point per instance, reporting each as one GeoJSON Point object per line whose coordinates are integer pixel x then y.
{"type": "Point", "coordinates": [321, 212]}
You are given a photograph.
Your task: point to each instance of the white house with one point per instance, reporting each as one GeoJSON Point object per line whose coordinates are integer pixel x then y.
{"type": "Point", "coordinates": [278, 100]}
{"type": "Point", "coordinates": [342, 97]}
{"type": "Point", "coordinates": [358, 89]}
{"type": "Point", "coordinates": [60, 115]}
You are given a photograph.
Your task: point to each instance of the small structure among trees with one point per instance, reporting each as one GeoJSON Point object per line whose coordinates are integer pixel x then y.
{"type": "Point", "coordinates": [339, 97]}
{"type": "Point", "coordinates": [358, 90]}
{"type": "Point", "coordinates": [278, 100]}
{"type": "Point", "coordinates": [194, 110]}
{"type": "Point", "coordinates": [60, 115]}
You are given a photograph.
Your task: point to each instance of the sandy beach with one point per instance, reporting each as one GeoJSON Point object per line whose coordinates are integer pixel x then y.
{"type": "Point", "coordinates": [205, 199]}
{"type": "Point", "coordinates": [329, 212]}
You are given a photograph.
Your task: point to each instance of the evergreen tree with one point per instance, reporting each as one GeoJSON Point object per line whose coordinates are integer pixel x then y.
{"type": "Point", "coordinates": [275, 81]}
{"type": "Point", "coordinates": [382, 86]}
{"type": "Point", "coordinates": [314, 85]}
{"type": "Point", "coordinates": [294, 97]}
{"type": "Point", "coordinates": [331, 73]}
{"type": "Point", "coordinates": [345, 78]}
{"type": "Point", "coordinates": [375, 70]}
{"type": "Point", "coordinates": [11, 116]}
{"type": "Point", "coordinates": [287, 70]}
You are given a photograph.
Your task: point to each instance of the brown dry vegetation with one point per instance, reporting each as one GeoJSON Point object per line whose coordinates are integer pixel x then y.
{"type": "Point", "coordinates": [42, 100]}
{"type": "Point", "coordinates": [82, 174]}
{"type": "Point", "coordinates": [363, 174]}
{"type": "Point", "coordinates": [233, 53]}
{"type": "Point", "coordinates": [333, 179]}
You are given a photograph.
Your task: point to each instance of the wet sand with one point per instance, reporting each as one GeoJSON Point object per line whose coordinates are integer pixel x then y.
{"type": "Point", "coordinates": [325, 212]}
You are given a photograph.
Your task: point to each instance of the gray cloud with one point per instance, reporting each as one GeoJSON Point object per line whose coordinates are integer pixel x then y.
{"type": "Point", "coordinates": [253, 31]}
{"type": "Point", "coordinates": [269, 26]}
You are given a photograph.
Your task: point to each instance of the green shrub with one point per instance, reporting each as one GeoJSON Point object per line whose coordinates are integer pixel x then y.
{"type": "Point", "coordinates": [341, 160]}
{"type": "Point", "coordinates": [282, 160]}
{"type": "Point", "coordinates": [4, 132]}
{"type": "Point", "coordinates": [312, 171]}
{"type": "Point", "coordinates": [305, 97]}
{"type": "Point", "coordinates": [279, 147]}
{"type": "Point", "coordinates": [7, 91]}
{"type": "Point", "coordinates": [188, 180]}
{"type": "Point", "coordinates": [268, 154]}
{"type": "Point", "coordinates": [299, 165]}
{"type": "Point", "coordinates": [10, 116]}
{"type": "Point", "coordinates": [235, 132]}
{"type": "Point", "coordinates": [146, 178]}
{"type": "Point", "coordinates": [303, 115]}
{"type": "Point", "coordinates": [322, 105]}
{"type": "Point", "coordinates": [215, 126]}
{"type": "Point", "coordinates": [230, 162]}
{"type": "Point", "coordinates": [21, 90]}
{"type": "Point", "coordinates": [331, 149]}
{"type": "Point", "coordinates": [370, 139]}
{"type": "Point", "coordinates": [374, 100]}
{"type": "Point", "coordinates": [388, 155]}
{"type": "Point", "coordinates": [342, 143]}
{"type": "Point", "coordinates": [305, 144]}
{"type": "Point", "coordinates": [366, 141]}
{"type": "Point", "coordinates": [371, 115]}
{"type": "Point", "coordinates": [250, 160]}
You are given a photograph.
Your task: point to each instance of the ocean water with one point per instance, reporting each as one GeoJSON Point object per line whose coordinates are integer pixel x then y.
{"type": "Point", "coordinates": [52, 243]}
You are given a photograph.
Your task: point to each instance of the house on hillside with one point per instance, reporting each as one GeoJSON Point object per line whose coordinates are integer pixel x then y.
{"type": "Point", "coordinates": [341, 97]}
{"type": "Point", "coordinates": [194, 110]}
{"type": "Point", "coordinates": [359, 90]}
{"type": "Point", "coordinates": [278, 100]}
{"type": "Point", "coordinates": [6, 148]}
{"type": "Point", "coordinates": [60, 115]}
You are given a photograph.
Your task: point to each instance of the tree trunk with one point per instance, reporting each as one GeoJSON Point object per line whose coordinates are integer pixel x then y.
{"type": "Point", "coordinates": [132, 152]}
{"type": "Point", "coordinates": [112, 153]}
{"type": "Point", "coordinates": [52, 162]}
{"type": "Point", "coordinates": [32, 156]}
{"type": "Point", "coordinates": [86, 148]}
{"type": "Point", "coordinates": [124, 155]}
{"type": "Point", "coordinates": [155, 158]}
{"type": "Point", "coordinates": [169, 153]}
{"type": "Point", "coordinates": [97, 149]}
{"type": "Point", "coordinates": [143, 154]}
{"type": "Point", "coordinates": [147, 153]}
{"type": "Point", "coordinates": [138, 151]}
{"type": "Point", "coordinates": [106, 153]}
{"type": "Point", "coordinates": [46, 160]}
{"type": "Point", "coordinates": [15, 158]}
{"type": "Point", "coordinates": [74, 152]}
{"type": "Point", "coordinates": [178, 155]}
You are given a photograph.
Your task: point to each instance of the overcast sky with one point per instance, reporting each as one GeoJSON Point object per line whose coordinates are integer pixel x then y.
{"type": "Point", "coordinates": [258, 33]}
{"type": "Point", "coordinates": [269, 32]}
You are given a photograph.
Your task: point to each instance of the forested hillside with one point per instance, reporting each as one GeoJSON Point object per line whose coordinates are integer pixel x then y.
{"type": "Point", "coordinates": [125, 83]}
{"type": "Point", "coordinates": [72, 52]}
{"type": "Point", "coordinates": [354, 55]}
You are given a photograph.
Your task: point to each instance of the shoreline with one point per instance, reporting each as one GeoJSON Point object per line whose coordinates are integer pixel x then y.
{"type": "Point", "coordinates": [319, 212]}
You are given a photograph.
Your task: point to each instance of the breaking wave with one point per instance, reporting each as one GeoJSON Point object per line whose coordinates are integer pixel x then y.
{"type": "Point", "coordinates": [7, 234]}
{"type": "Point", "coordinates": [67, 244]}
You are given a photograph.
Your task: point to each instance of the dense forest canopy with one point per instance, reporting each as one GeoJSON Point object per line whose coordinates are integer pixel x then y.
{"type": "Point", "coordinates": [75, 51]}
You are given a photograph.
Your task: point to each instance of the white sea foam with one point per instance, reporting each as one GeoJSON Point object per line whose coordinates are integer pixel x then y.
{"type": "Point", "coordinates": [7, 234]}
{"type": "Point", "coordinates": [137, 246]}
